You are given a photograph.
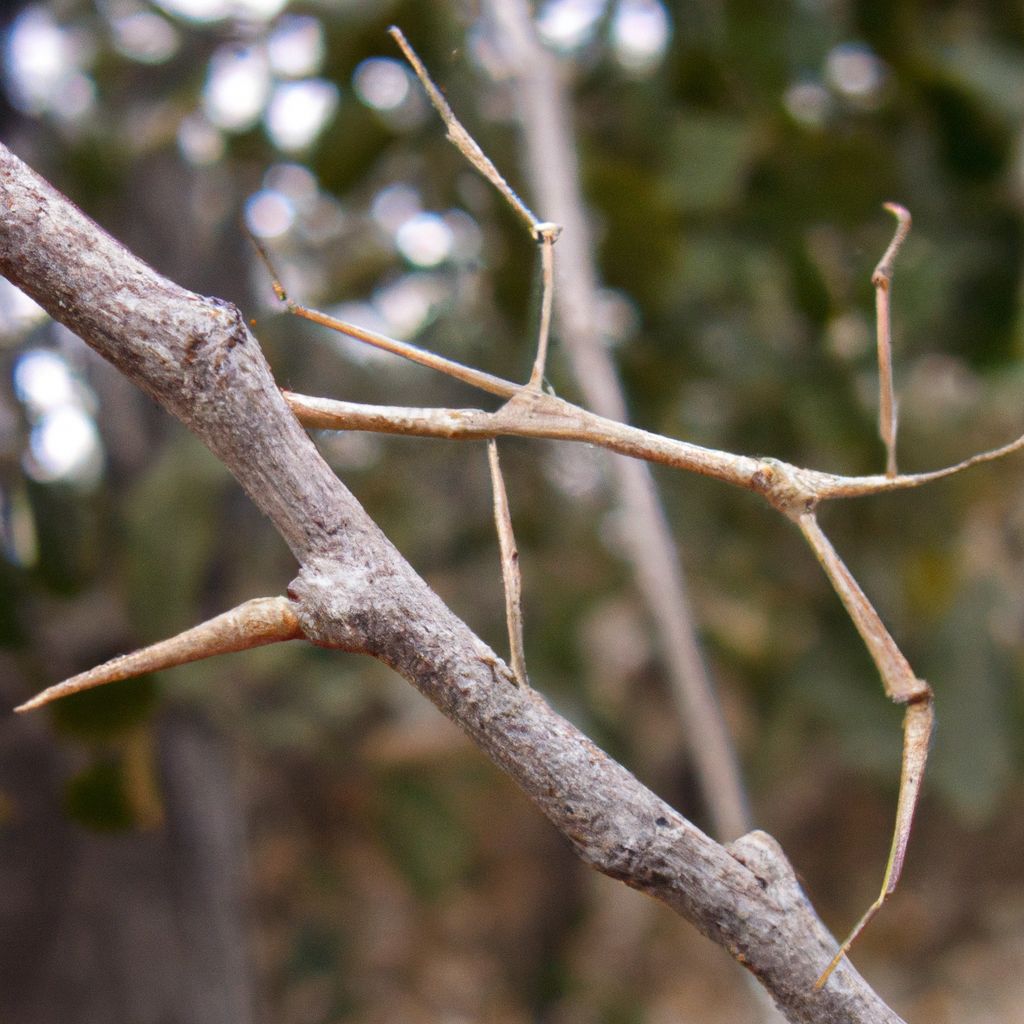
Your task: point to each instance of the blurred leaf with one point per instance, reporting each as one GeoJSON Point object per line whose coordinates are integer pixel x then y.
{"type": "Point", "coordinates": [106, 711]}
{"type": "Point", "coordinates": [992, 69]}
{"type": "Point", "coordinates": [68, 535]}
{"type": "Point", "coordinates": [971, 764]}
{"type": "Point", "coordinates": [97, 797]}
{"type": "Point", "coordinates": [427, 842]}
{"type": "Point", "coordinates": [709, 156]}
{"type": "Point", "coordinates": [172, 534]}
{"type": "Point", "coordinates": [12, 582]}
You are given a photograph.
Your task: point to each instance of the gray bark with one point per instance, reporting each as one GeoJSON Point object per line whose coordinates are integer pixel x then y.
{"type": "Point", "coordinates": [354, 591]}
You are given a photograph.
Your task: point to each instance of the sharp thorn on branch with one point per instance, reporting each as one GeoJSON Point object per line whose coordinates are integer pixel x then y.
{"type": "Point", "coordinates": [264, 620]}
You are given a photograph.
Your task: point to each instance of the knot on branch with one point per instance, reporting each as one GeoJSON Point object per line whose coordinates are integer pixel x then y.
{"type": "Point", "coordinates": [338, 606]}
{"type": "Point", "coordinates": [762, 855]}
{"type": "Point", "coordinates": [215, 336]}
{"type": "Point", "coordinates": [793, 491]}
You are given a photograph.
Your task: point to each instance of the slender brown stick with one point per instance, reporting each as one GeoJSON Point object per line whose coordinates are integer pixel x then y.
{"type": "Point", "coordinates": [882, 280]}
{"type": "Point", "coordinates": [511, 574]}
{"type": "Point", "coordinates": [551, 417]}
{"type": "Point", "coordinates": [264, 620]}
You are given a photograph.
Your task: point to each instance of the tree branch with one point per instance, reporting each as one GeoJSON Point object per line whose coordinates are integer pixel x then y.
{"type": "Point", "coordinates": [354, 591]}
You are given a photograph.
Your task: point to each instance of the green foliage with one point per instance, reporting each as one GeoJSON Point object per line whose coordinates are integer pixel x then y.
{"type": "Point", "coordinates": [172, 531]}
{"type": "Point", "coordinates": [97, 797]}
{"type": "Point", "coordinates": [425, 838]}
{"type": "Point", "coordinates": [108, 711]}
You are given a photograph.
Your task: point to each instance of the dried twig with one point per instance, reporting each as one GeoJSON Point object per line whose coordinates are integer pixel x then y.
{"type": "Point", "coordinates": [476, 378]}
{"type": "Point", "coordinates": [555, 418]}
{"type": "Point", "coordinates": [547, 234]}
{"type": "Point", "coordinates": [460, 138]}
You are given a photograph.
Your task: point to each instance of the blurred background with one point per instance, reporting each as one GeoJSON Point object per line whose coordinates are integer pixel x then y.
{"type": "Point", "coordinates": [295, 835]}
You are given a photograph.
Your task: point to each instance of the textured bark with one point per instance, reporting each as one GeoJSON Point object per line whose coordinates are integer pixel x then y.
{"type": "Point", "coordinates": [354, 591]}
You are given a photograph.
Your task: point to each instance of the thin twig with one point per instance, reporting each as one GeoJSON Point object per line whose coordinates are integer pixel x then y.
{"type": "Point", "coordinates": [511, 574]}
{"type": "Point", "coordinates": [882, 280]}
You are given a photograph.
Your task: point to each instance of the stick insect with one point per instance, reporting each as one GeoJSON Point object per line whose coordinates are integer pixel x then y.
{"type": "Point", "coordinates": [530, 411]}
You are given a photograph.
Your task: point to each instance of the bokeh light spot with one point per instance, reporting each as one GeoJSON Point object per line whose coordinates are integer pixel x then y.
{"type": "Point", "coordinates": [199, 142]}
{"type": "Point", "coordinates": [43, 66]}
{"type": "Point", "coordinates": [42, 381]}
{"type": "Point", "coordinates": [807, 103]}
{"type": "Point", "coordinates": [17, 310]}
{"type": "Point", "coordinates": [145, 37]}
{"type": "Point", "coordinates": [425, 240]}
{"type": "Point", "coordinates": [296, 46]}
{"type": "Point", "coordinates": [200, 11]}
{"type": "Point", "coordinates": [299, 111]}
{"type": "Point", "coordinates": [64, 445]}
{"type": "Point", "coordinates": [269, 214]}
{"type": "Point", "coordinates": [853, 70]}
{"type": "Point", "coordinates": [381, 83]}
{"type": "Point", "coordinates": [640, 33]}
{"type": "Point", "coordinates": [394, 205]}
{"type": "Point", "coordinates": [569, 24]}
{"type": "Point", "coordinates": [237, 87]}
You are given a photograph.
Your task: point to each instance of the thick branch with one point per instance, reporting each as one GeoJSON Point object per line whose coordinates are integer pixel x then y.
{"type": "Point", "coordinates": [354, 591]}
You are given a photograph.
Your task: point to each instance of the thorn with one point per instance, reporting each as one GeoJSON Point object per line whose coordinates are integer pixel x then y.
{"type": "Point", "coordinates": [264, 620]}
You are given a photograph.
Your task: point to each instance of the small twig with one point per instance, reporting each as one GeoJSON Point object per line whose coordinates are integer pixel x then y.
{"type": "Point", "coordinates": [902, 687]}
{"type": "Point", "coordinates": [461, 139]}
{"type": "Point", "coordinates": [511, 574]}
{"type": "Point", "coordinates": [264, 620]}
{"type": "Point", "coordinates": [882, 280]}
